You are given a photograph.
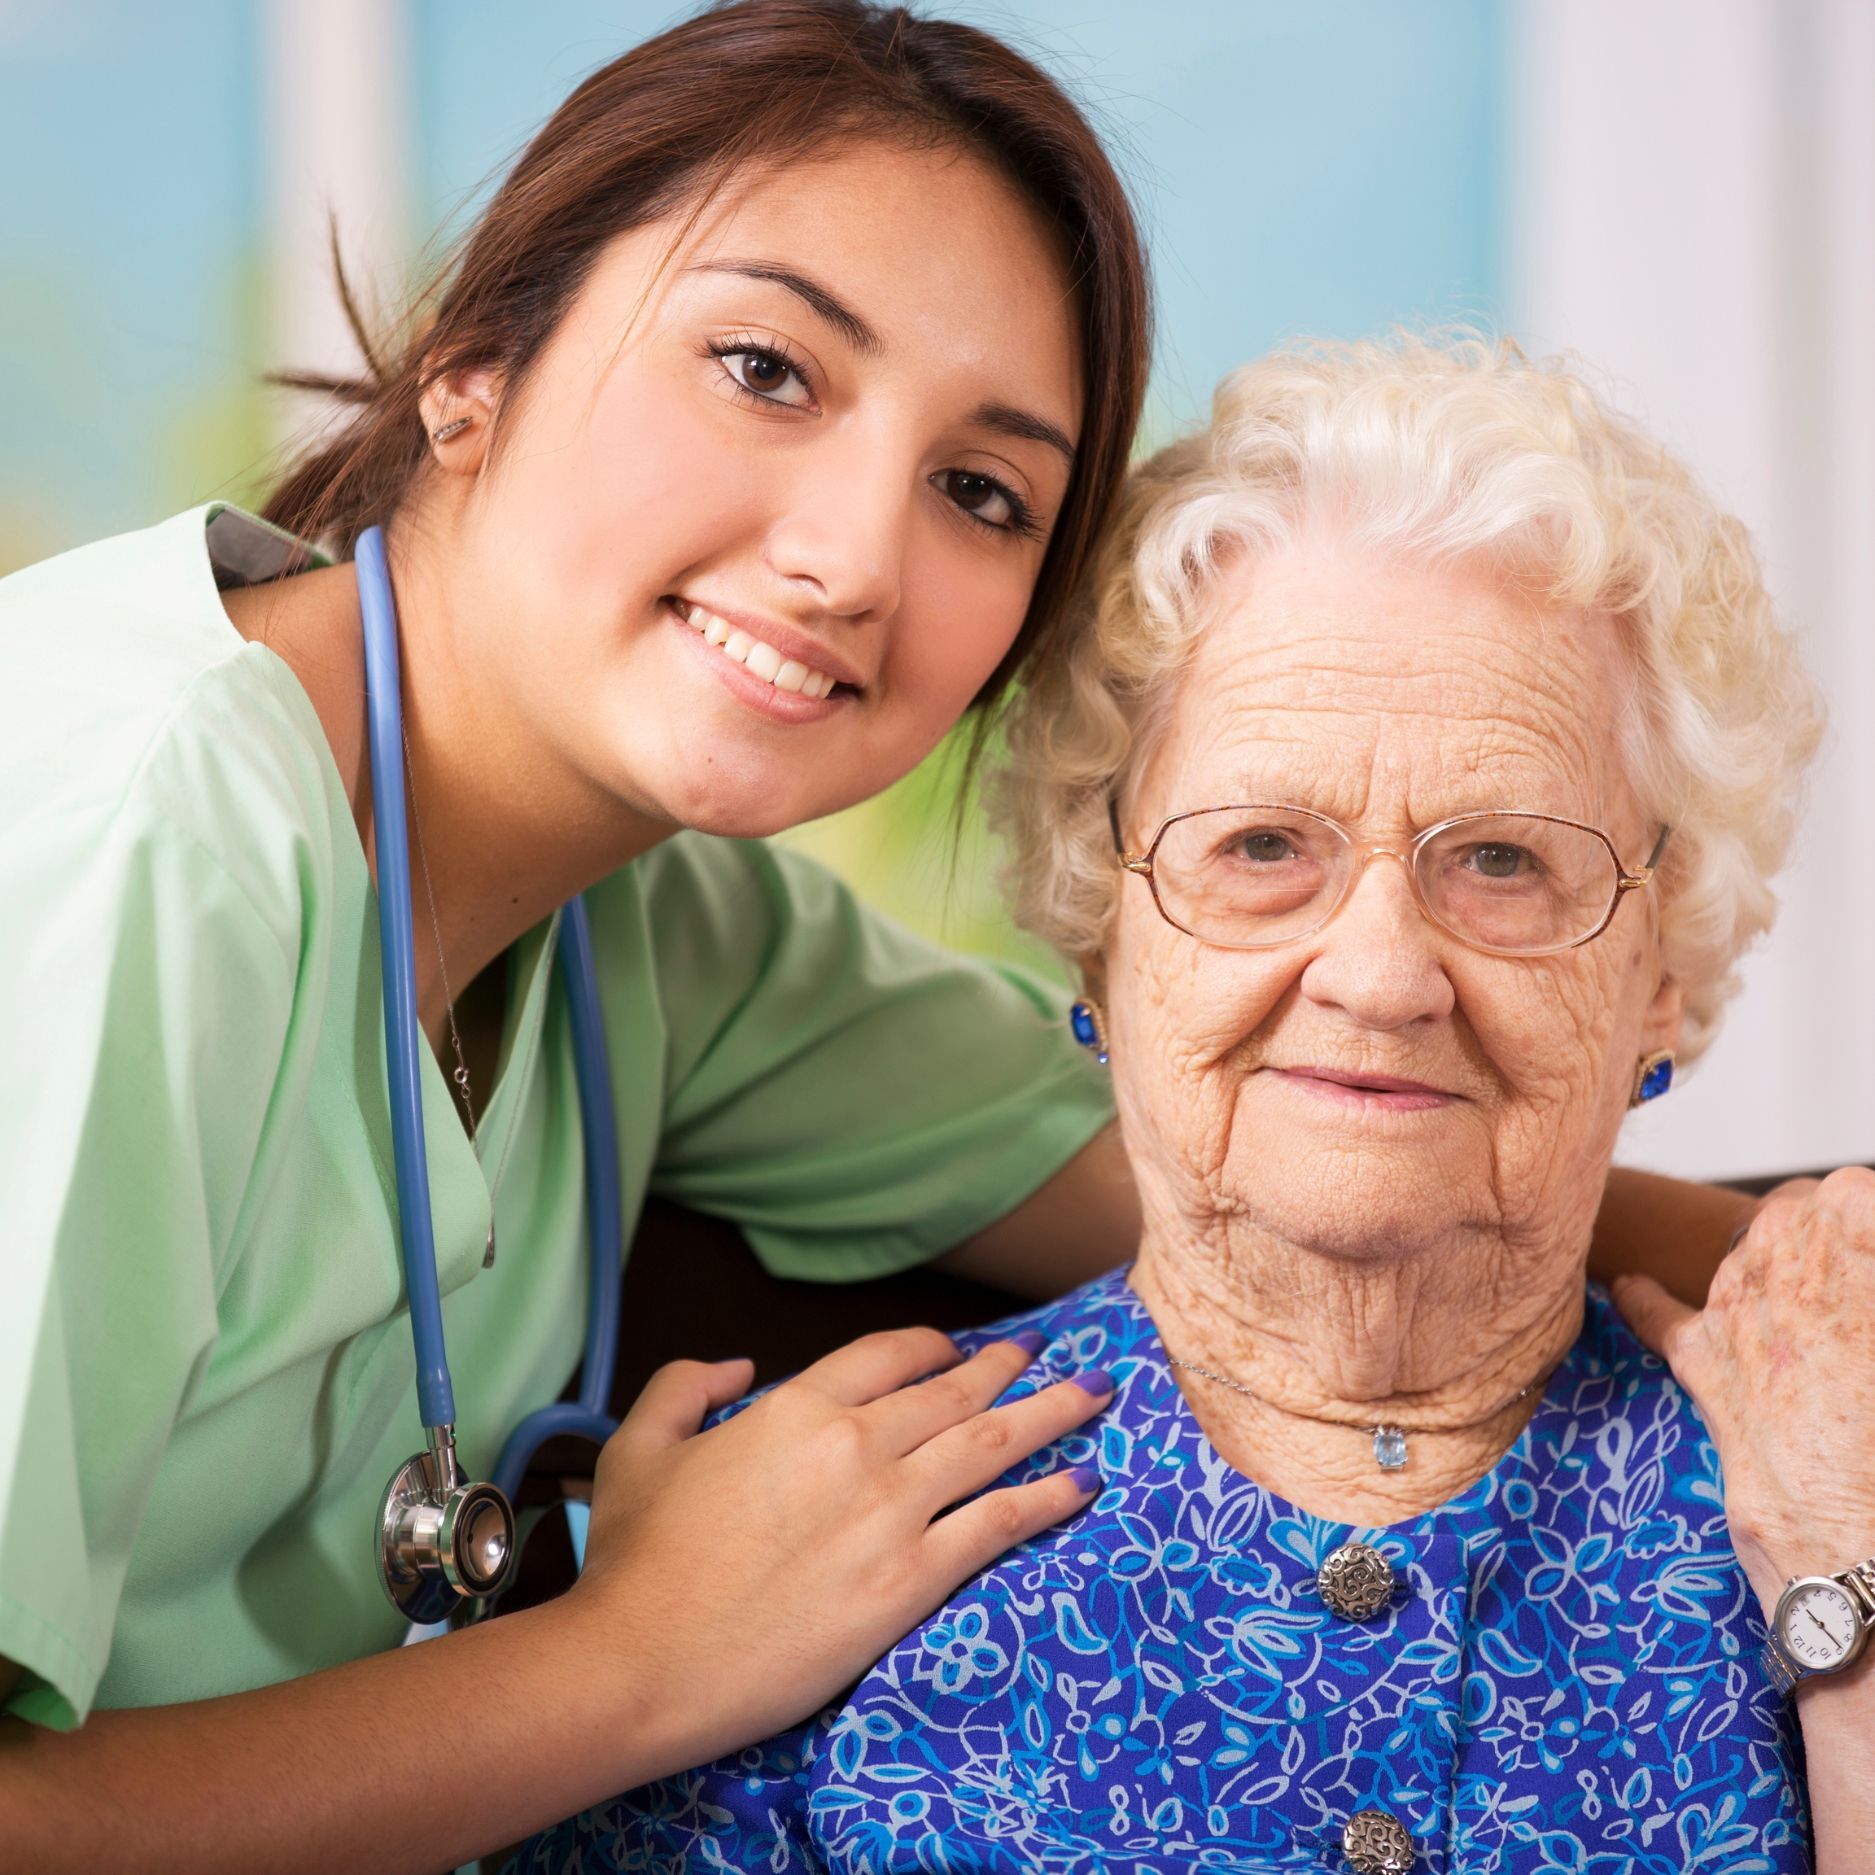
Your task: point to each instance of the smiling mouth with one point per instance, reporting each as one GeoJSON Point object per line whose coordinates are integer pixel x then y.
{"type": "Point", "coordinates": [758, 658]}
{"type": "Point", "coordinates": [1383, 1090]}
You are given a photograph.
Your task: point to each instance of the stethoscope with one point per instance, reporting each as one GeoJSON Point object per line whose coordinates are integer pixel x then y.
{"type": "Point", "coordinates": [446, 1545]}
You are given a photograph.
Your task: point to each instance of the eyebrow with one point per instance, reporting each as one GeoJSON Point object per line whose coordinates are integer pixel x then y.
{"type": "Point", "coordinates": [1004, 419]}
{"type": "Point", "coordinates": [823, 300]}
{"type": "Point", "coordinates": [1007, 420]}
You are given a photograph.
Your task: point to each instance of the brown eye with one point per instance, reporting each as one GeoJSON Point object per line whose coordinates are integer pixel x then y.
{"type": "Point", "coordinates": [766, 375]}
{"type": "Point", "coordinates": [984, 499]}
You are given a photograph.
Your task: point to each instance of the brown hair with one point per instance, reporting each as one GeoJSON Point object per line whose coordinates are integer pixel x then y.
{"type": "Point", "coordinates": [753, 80]}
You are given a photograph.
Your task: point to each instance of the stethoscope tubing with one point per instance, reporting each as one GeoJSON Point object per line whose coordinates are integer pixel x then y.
{"type": "Point", "coordinates": [436, 1398]}
{"type": "Point", "coordinates": [590, 1416]}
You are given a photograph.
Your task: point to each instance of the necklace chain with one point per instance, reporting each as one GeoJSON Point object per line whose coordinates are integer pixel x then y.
{"type": "Point", "coordinates": [523, 1053]}
{"type": "Point", "coordinates": [461, 1076]}
{"type": "Point", "coordinates": [464, 1092]}
{"type": "Point", "coordinates": [1389, 1437]}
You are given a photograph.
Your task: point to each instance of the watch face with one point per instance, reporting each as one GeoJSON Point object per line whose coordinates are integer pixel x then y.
{"type": "Point", "coordinates": [1817, 1626]}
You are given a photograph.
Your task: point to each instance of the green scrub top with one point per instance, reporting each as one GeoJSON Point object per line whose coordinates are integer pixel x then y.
{"type": "Point", "coordinates": [206, 1373]}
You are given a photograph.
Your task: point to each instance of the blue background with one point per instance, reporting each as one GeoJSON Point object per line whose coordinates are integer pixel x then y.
{"type": "Point", "coordinates": [1331, 167]}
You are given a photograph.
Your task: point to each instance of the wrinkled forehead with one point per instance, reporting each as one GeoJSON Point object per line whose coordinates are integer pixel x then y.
{"type": "Point", "coordinates": [1392, 695]}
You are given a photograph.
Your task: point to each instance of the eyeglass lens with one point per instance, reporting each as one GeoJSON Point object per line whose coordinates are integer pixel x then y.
{"type": "Point", "coordinates": [1506, 882]}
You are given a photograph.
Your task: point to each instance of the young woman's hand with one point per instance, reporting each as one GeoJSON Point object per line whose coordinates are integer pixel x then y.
{"type": "Point", "coordinates": [735, 1579]}
{"type": "Point", "coordinates": [749, 1572]}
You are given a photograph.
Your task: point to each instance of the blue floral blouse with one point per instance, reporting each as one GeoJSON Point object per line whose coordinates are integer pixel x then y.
{"type": "Point", "coordinates": [1566, 1679]}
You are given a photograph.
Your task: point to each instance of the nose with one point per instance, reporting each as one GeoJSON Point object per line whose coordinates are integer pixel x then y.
{"type": "Point", "coordinates": [1380, 959]}
{"type": "Point", "coordinates": [841, 536]}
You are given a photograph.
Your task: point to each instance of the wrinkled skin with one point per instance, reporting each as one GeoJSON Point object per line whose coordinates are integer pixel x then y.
{"type": "Point", "coordinates": [1782, 1363]}
{"type": "Point", "coordinates": [1333, 1250]}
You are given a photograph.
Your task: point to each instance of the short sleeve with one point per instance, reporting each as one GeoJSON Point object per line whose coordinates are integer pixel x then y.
{"type": "Point", "coordinates": [144, 1002]}
{"type": "Point", "coordinates": [855, 1098]}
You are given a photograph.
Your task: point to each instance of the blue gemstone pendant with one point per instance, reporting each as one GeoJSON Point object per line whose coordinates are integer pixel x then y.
{"type": "Point", "coordinates": [1389, 1448]}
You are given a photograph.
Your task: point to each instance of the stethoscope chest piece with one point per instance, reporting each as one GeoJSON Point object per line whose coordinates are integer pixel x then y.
{"type": "Point", "coordinates": [442, 1540]}
{"type": "Point", "coordinates": [446, 1547]}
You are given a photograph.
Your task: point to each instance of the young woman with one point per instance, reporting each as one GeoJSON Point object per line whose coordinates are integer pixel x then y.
{"type": "Point", "coordinates": [755, 438]}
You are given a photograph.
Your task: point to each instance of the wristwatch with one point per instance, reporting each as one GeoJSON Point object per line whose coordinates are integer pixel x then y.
{"type": "Point", "coordinates": [1820, 1625]}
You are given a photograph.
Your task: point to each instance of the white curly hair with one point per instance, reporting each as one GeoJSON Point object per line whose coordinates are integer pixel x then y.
{"type": "Point", "coordinates": [1440, 447]}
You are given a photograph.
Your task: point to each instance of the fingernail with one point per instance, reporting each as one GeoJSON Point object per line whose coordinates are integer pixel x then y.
{"type": "Point", "coordinates": [1096, 1380]}
{"type": "Point", "coordinates": [1031, 1341]}
{"type": "Point", "coordinates": [1086, 1478]}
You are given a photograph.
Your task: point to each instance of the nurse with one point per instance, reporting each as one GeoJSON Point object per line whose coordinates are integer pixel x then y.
{"type": "Point", "coordinates": [753, 440]}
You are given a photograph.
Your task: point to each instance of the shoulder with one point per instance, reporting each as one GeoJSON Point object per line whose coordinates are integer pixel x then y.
{"type": "Point", "coordinates": [763, 908]}
{"type": "Point", "coordinates": [698, 887]}
{"type": "Point", "coordinates": [751, 934]}
{"type": "Point", "coordinates": [734, 898]}
{"type": "Point", "coordinates": [1620, 1456]}
{"type": "Point", "coordinates": [117, 628]}
{"type": "Point", "coordinates": [1610, 1378]}
{"type": "Point", "coordinates": [1101, 1324]}
{"type": "Point", "coordinates": [138, 729]}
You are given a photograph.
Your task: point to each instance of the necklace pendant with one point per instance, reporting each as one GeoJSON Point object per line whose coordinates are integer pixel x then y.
{"type": "Point", "coordinates": [1389, 1448]}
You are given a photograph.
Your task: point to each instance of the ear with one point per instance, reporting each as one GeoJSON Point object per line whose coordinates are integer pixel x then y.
{"type": "Point", "coordinates": [1660, 1027]}
{"type": "Point", "coordinates": [458, 410]}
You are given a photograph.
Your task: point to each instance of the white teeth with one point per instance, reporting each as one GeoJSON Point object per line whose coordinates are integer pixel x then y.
{"type": "Point", "coordinates": [763, 660]}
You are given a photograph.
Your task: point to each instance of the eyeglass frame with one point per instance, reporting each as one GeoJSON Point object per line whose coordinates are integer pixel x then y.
{"type": "Point", "coordinates": [1625, 881]}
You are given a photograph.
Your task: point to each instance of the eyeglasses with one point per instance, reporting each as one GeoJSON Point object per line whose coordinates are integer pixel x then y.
{"type": "Point", "coordinates": [1510, 884]}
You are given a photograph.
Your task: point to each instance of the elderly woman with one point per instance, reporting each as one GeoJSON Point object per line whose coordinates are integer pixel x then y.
{"type": "Point", "coordinates": [1406, 804]}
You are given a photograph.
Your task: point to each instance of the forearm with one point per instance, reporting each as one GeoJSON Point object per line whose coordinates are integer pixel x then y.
{"type": "Point", "coordinates": [1077, 1226]}
{"type": "Point", "coordinates": [415, 1760]}
{"type": "Point", "coordinates": [1838, 1718]}
{"type": "Point", "coordinates": [1666, 1228]}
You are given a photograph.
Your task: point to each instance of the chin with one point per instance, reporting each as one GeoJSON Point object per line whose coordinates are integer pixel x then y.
{"type": "Point", "coordinates": [728, 822]}
{"type": "Point", "coordinates": [755, 809]}
{"type": "Point", "coordinates": [733, 814]}
{"type": "Point", "coordinates": [1362, 1205]}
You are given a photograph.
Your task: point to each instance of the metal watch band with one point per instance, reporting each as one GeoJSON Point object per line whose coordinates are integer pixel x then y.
{"type": "Point", "coordinates": [1858, 1582]}
{"type": "Point", "coordinates": [1782, 1675]}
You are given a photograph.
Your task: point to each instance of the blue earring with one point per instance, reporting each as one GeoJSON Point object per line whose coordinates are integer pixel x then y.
{"type": "Point", "coordinates": [1652, 1077]}
{"type": "Point", "coordinates": [1090, 1028]}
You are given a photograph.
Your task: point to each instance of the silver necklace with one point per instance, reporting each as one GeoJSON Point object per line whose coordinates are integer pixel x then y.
{"type": "Point", "coordinates": [1390, 1452]}
{"type": "Point", "coordinates": [464, 1092]}
{"type": "Point", "coordinates": [461, 1076]}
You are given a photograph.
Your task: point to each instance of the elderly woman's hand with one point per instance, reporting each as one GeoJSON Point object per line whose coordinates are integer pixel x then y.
{"type": "Point", "coordinates": [1782, 1364]}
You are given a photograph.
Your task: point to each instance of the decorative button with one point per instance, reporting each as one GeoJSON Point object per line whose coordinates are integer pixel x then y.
{"type": "Point", "coordinates": [1376, 1843]}
{"type": "Point", "coordinates": [1356, 1582]}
